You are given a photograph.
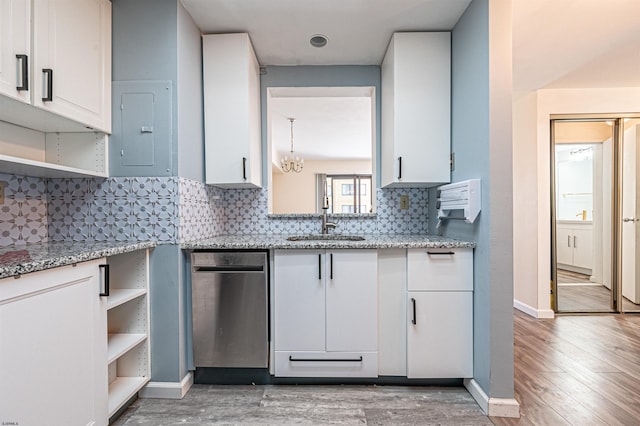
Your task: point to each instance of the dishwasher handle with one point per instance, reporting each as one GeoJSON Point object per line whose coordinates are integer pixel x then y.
{"type": "Point", "coordinates": [230, 268]}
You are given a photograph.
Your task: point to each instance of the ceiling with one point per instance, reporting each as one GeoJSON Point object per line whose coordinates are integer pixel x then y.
{"type": "Point", "coordinates": [329, 124]}
{"type": "Point", "coordinates": [556, 43]}
{"type": "Point", "coordinates": [358, 30]}
{"type": "Point", "coordinates": [575, 44]}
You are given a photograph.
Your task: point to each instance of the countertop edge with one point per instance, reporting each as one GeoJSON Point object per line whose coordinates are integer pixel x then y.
{"type": "Point", "coordinates": [81, 255]}
{"type": "Point", "coordinates": [279, 242]}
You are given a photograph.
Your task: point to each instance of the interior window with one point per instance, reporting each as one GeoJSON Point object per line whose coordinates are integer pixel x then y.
{"type": "Point", "coordinates": [346, 193]}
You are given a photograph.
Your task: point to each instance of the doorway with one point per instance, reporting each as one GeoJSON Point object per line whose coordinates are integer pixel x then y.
{"type": "Point", "coordinates": [595, 214]}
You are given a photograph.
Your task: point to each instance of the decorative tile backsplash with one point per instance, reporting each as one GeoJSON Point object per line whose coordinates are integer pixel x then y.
{"type": "Point", "coordinates": [201, 210]}
{"type": "Point", "coordinates": [23, 216]}
{"type": "Point", "coordinates": [113, 209]}
{"type": "Point", "coordinates": [172, 210]}
{"type": "Point", "coordinates": [246, 213]}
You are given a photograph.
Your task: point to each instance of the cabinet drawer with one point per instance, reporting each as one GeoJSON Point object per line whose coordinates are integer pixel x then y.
{"type": "Point", "coordinates": [326, 364]}
{"type": "Point", "coordinates": [440, 269]}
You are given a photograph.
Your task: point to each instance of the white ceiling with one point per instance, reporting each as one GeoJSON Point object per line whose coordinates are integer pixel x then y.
{"type": "Point", "coordinates": [556, 43]}
{"type": "Point", "coordinates": [325, 127]}
{"type": "Point", "coordinates": [575, 43]}
{"type": "Point", "coordinates": [358, 30]}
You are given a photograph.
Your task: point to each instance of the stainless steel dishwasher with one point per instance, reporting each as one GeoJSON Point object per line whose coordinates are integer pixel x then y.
{"type": "Point", "coordinates": [230, 309]}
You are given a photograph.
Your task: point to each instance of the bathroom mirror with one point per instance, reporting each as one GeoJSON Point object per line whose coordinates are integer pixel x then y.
{"type": "Point", "coordinates": [331, 132]}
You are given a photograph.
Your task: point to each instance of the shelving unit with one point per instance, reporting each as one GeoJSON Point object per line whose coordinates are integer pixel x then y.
{"type": "Point", "coordinates": [52, 154]}
{"type": "Point", "coordinates": [128, 327]}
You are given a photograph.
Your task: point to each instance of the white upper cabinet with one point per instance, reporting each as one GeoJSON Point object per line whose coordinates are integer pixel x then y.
{"type": "Point", "coordinates": [15, 48]}
{"type": "Point", "coordinates": [233, 152]}
{"type": "Point", "coordinates": [55, 87]}
{"type": "Point", "coordinates": [58, 61]}
{"type": "Point", "coordinates": [72, 60]}
{"type": "Point", "coordinates": [416, 110]}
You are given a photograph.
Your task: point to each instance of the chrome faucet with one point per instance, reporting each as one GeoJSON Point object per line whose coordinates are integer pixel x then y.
{"type": "Point", "coordinates": [325, 223]}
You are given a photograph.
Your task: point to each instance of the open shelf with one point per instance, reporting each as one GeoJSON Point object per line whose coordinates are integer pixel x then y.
{"type": "Point", "coordinates": [25, 167]}
{"type": "Point", "coordinates": [128, 352]}
{"type": "Point", "coordinates": [121, 343]}
{"type": "Point", "coordinates": [119, 296]}
{"type": "Point", "coordinates": [122, 389]}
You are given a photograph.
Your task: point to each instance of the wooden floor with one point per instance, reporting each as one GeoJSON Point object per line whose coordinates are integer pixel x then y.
{"type": "Point", "coordinates": [565, 276]}
{"type": "Point", "coordinates": [577, 370]}
{"type": "Point", "coordinates": [576, 293]}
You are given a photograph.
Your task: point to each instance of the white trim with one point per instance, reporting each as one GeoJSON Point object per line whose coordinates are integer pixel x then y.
{"type": "Point", "coordinates": [493, 407]}
{"type": "Point", "coordinates": [531, 311]}
{"type": "Point", "coordinates": [167, 390]}
{"type": "Point", "coordinates": [504, 407]}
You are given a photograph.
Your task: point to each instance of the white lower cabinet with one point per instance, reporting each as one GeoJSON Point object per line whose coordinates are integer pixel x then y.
{"type": "Point", "coordinates": [52, 350]}
{"type": "Point", "coordinates": [69, 354]}
{"type": "Point", "coordinates": [574, 244]}
{"type": "Point", "coordinates": [325, 313]}
{"type": "Point", "coordinates": [440, 313]}
{"type": "Point", "coordinates": [440, 334]}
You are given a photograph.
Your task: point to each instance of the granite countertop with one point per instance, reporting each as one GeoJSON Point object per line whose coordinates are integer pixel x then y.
{"type": "Point", "coordinates": [370, 242]}
{"type": "Point", "coordinates": [18, 260]}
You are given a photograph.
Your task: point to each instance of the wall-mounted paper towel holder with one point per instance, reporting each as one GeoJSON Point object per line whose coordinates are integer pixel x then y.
{"type": "Point", "coordinates": [464, 195]}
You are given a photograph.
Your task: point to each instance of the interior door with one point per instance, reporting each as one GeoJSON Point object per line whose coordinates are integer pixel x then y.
{"type": "Point", "coordinates": [630, 274]}
{"type": "Point", "coordinates": [583, 198]}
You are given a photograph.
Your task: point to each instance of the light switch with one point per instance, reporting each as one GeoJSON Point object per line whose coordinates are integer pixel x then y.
{"type": "Point", "coordinates": [404, 202]}
{"type": "Point", "coordinates": [3, 185]}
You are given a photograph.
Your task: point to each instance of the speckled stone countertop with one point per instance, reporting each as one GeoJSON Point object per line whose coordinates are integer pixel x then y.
{"type": "Point", "coordinates": [18, 260]}
{"type": "Point", "coordinates": [369, 242]}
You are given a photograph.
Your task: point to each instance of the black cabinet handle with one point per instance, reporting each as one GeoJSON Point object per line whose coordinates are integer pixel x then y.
{"type": "Point", "coordinates": [440, 253]}
{"type": "Point", "coordinates": [331, 266]}
{"type": "Point", "coordinates": [24, 61]}
{"type": "Point", "coordinates": [106, 279]}
{"type": "Point", "coordinates": [320, 266]}
{"type": "Point", "coordinates": [48, 72]}
{"type": "Point", "coordinates": [244, 168]}
{"type": "Point", "coordinates": [399, 168]}
{"type": "Point", "coordinates": [413, 302]}
{"type": "Point", "coordinates": [359, 359]}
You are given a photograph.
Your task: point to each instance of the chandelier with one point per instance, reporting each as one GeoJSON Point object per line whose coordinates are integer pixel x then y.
{"type": "Point", "coordinates": [295, 163]}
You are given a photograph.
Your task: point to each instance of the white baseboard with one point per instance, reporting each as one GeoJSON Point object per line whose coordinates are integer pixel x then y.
{"type": "Point", "coordinates": [493, 407]}
{"type": "Point", "coordinates": [534, 312]}
{"type": "Point", "coordinates": [167, 390]}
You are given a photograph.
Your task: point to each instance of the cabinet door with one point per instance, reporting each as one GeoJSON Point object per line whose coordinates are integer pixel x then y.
{"type": "Point", "coordinates": [15, 39]}
{"type": "Point", "coordinates": [231, 77]}
{"type": "Point", "coordinates": [583, 248]}
{"type": "Point", "coordinates": [73, 39]}
{"type": "Point", "coordinates": [53, 350]}
{"type": "Point", "coordinates": [564, 245]}
{"type": "Point", "coordinates": [416, 119]}
{"type": "Point", "coordinates": [440, 334]}
{"type": "Point", "coordinates": [352, 301]}
{"type": "Point", "coordinates": [299, 300]}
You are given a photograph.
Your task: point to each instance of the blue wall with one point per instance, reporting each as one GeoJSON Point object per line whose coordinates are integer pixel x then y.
{"type": "Point", "coordinates": [480, 154]}
{"type": "Point", "coordinates": [155, 40]}
{"type": "Point", "coordinates": [318, 76]}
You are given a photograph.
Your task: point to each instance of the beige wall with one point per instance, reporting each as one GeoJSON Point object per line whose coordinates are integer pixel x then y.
{"type": "Point", "coordinates": [525, 204]}
{"type": "Point", "coordinates": [532, 179]}
{"type": "Point", "coordinates": [296, 192]}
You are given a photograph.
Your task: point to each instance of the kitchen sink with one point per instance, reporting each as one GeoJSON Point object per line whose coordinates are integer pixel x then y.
{"type": "Point", "coordinates": [325, 237]}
